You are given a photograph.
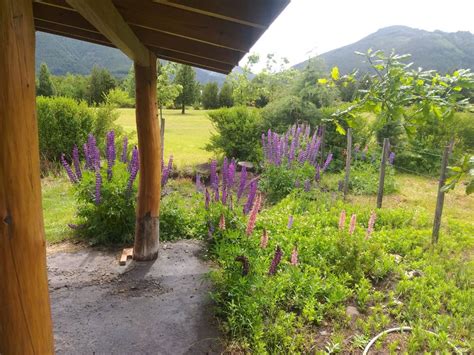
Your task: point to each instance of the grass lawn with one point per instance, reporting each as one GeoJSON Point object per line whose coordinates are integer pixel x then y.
{"type": "Point", "coordinates": [185, 135]}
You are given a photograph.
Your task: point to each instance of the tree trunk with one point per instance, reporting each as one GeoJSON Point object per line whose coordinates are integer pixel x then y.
{"type": "Point", "coordinates": [25, 315]}
{"type": "Point", "coordinates": [183, 109]}
{"type": "Point", "coordinates": [149, 192]}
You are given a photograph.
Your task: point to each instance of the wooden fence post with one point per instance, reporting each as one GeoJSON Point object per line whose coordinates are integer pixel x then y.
{"type": "Point", "coordinates": [383, 163]}
{"type": "Point", "coordinates": [348, 161]}
{"type": "Point", "coordinates": [321, 149]}
{"type": "Point", "coordinates": [440, 198]}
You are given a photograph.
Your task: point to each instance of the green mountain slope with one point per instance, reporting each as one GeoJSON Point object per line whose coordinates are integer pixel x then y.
{"type": "Point", "coordinates": [65, 55]}
{"type": "Point", "coordinates": [437, 50]}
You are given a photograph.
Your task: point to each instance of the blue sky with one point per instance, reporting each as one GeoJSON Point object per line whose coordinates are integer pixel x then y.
{"type": "Point", "coordinates": [310, 27]}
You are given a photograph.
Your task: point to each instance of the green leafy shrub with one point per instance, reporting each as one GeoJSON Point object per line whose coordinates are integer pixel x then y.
{"type": "Point", "coordinates": [238, 133]}
{"type": "Point", "coordinates": [62, 122]}
{"type": "Point", "coordinates": [119, 98]}
{"type": "Point", "coordinates": [364, 178]}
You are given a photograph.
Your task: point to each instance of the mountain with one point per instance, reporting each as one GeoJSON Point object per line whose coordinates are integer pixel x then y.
{"type": "Point", "coordinates": [442, 51]}
{"type": "Point", "coordinates": [65, 55]}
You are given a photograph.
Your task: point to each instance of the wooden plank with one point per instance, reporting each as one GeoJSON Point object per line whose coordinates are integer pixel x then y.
{"type": "Point", "coordinates": [440, 197]}
{"type": "Point", "coordinates": [383, 163]}
{"type": "Point", "coordinates": [149, 147]}
{"type": "Point", "coordinates": [256, 13]}
{"type": "Point", "coordinates": [104, 16]}
{"type": "Point", "coordinates": [76, 33]}
{"type": "Point", "coordinates": [25, 315]}
{"type": "Point", "coordinates": [187, 24]}
{"type": "Point", "coordinates": [127, 254]}
{"type": "Point", "coordinates": [348, 161]}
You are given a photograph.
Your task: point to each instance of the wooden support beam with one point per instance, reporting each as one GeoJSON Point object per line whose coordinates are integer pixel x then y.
{"type": "Point", "coordinates": [104, 16]}
{"type": "Point", "coordinates": [149, 188]}
{"type": "Point", "coordinates": [25, 315]}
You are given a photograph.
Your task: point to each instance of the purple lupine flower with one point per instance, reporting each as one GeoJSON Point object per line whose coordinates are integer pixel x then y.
{"type": "Point", "coordinates": [133, 171]}
{"type": "Point", "coordinates": [290, 221]}
{"type": "Point", "coordinates": [307, 185]}
{"type": "Point", "coordinates": [134, 161]}
{"type": "Point", "coordinates": [93, 152]}
{"type": "Point", "coordinates": [291, 154]}
{"type": "Point", "coordinates": [123, 158]}
{"type": "Point", "coordinates": [68, 169]}
{"type": "Point", "coordinates": [77, 164]}
{"type": "Point", "coordinates": [216, 193]}
{"type": "Point", "coordinates": [98, 185]}
{"type": "Point", "coordinates": [297, 183]}
{"type": "Point", "coordinates": [391, 158]}
{"type": "Point", "coordinates": [251, 196]}
{"type": "Point", "coordinates": [327, 162]}
{"type": "Point", "coordinates": [243, 182]}
{"type": "Point", "coordinates": [224, 195]}
{"type": "Point", "coordinates": [198, 182]}
{"type": "Point", "coordinates": [317, 177]}
{"type": "Point", "coordinates": [207, 199]}
{"type": "Point", "coordinates": [275, 261]}
{"type": "Point", "coordinates": [110, 150]}
{"type": "Point", "coordinates": [87, 156]}
{"type": "Point", "coordinates": [315, 150]}
{"type": "Point", "coordinates": [231, 174]}
{"type": "Point", "coordinates": [164, 176]}
{"type": "Point", "coordinates": [225, 172]}
{"type": "Point", "coordinates": [301, 156]}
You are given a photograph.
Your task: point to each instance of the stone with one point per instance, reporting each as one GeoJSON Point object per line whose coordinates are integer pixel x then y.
{"type": "Point", "coordinates": [352, 311]}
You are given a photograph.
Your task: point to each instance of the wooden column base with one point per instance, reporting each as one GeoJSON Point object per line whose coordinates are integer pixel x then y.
{"type": "Point", "coordinates": [147, 241]}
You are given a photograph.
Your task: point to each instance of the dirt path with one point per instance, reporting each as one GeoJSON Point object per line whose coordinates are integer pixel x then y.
{"type": "Point", "coordinates": [162, 307]}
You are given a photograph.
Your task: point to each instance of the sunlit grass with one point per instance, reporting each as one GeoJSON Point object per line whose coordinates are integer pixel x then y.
{"type": "Point", "coordinates": [185, 135]}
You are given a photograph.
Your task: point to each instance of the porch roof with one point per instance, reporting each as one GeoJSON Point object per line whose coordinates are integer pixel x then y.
{"type": "Point", "coordinates": [210, 34]}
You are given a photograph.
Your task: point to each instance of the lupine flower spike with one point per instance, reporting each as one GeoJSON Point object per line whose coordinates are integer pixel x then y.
{"type": "Point", "coordinates": [253, 215]}
{"type": "Point", "coordinates": [68, 169]}
{"type": "Point", "coordinates": [294, 256]}
{"type": "Point", "coordinates": [290, 222]}
{"type": "Point", "coordinates": [98, 185]}
{"type": "Point", "coordinates": [370, 227]}
{"type": "Point", "coordinates": [342, 220]}
{"type": "Point", "coordinates": [251, 196]}
{"type": "Point", "coordinates": [264, 239]}
{"type": "Point", "coordinates": [352, 225]}
{"type": "Point", "coordinates": [275, 261]}
{"type": "Point", "coordinates": [222, 222]}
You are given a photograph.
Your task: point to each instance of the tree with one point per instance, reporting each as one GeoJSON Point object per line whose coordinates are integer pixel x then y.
{"type": "Point", "coordinates": [167, 91]}
{"type": "Point", "coordinates": [225, 95]}
{"type": "Point", "coordinates": [129, 83]}
{"type": "Point", "coordinates": [210, 96]}
{"type": "Point", "coordinates": [71, 85]}
{"type": "Point", "coordinates": [100, 83]}
{"type": "Point", "coordinates": [186, 77]}
{"type": "Point", "coordinates": [45, 85]}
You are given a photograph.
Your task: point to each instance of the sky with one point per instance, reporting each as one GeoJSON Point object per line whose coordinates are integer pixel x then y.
{"type": "Point", "coordinates": [310, 27]}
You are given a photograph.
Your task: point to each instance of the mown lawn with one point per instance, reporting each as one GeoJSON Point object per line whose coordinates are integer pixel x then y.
{"type": "Point", "coordinates": [185, 135]}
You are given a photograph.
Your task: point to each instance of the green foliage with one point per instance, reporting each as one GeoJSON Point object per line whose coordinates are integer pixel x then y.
{"type": "Point", "coordinates": [225, 95]}
{"type": "Point", "coordinates": [278, 181]}
{"type": "Point", "coordinates": [283, 313]}
{"type": "Point", "coordinates": [364, 178]}
{"type": "Point", "coordinates": [167, 90]}
{"type": "Point", "coordinates": [104, 121]}
{"type": "Point", "coordinates": [112, 221]}
{"type": "Point", "coordinates": [210, 96]}
{"type": "Point", "coordinates": [119, 98]}
{"type": "Point", "coordinates": [186, 77]}
{"type": "Point", "coordinates": [71, 85]}
{"type": "Point", "coordinates": [244, 93]}
{"type": "Point", "coordinates": [100, 83]}
{"type": "Point", "coordinates": [465, 170]}
{"type": "Point", "coordinates": [45, 85]}
{"type": "Point", "coordinates": [62, 122]}
{"type": "Point", "coordinates": [238, 133]}
{"type": "Point", "coordinates": [288, 110]}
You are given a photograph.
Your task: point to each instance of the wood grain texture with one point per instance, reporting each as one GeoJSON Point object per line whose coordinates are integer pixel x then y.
{"type": "Point", "coordinates": [104, 16]}
{"type": "Point", "coordinates": [25, 316]}
{"type": "Point", "coordinates": [149, 147]}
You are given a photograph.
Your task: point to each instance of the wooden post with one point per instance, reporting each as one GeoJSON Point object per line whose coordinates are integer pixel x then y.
{"type": "Point", "coordinates": [440, 198]}
{"type": "Point", "coordinates": [162, 133]}
{"type": "Point", "coordinates": [348, 161]}
{"type": "Point", "coordinates": [149, 192]}
{"type": "Point", "coordinates": [383, 163]}
{"type": "Point", "coordinates": [321, 149]}
{"type": "Point", "coordinates": [25, 315]}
